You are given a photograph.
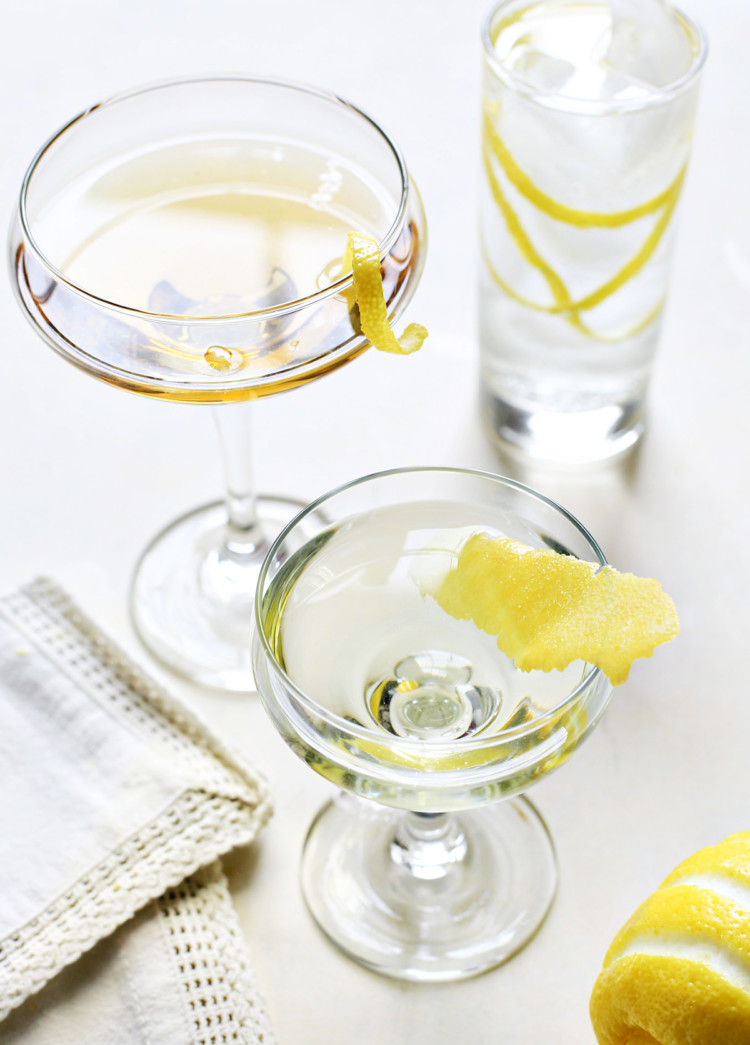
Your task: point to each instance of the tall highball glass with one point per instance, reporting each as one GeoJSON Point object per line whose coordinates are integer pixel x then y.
{"type": "Point", "coordinates": [588, 114]}
{"type": "Point", "coordinates": [428, 866]}
{"type": "Point", "coordinates": [185, 241]}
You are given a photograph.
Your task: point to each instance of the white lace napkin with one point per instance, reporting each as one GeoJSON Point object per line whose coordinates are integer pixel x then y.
{"type": "Point", "coordinates": [112, 796]}
{"type": "Point", "coordinates": [176, 973]}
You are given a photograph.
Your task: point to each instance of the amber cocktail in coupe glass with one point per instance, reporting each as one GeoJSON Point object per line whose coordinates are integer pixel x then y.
{"type": "Point", "coordinates": [185, 241]}
{"type": "Point", "coordinates": [427, 866]}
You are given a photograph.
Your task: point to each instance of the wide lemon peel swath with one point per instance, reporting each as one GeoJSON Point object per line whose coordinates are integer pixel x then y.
{"type": "Point", "coordinates": [679, 970]}
{"type": "Point", "coordinates": [363, 257]}
{"type": "Point", "coordinates": [548, 610]}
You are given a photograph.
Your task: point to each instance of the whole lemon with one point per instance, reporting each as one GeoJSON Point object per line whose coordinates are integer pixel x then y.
{"type": "Point", "coordinates": [678, 972]}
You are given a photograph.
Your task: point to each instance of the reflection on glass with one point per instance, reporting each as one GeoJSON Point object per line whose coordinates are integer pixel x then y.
{"type": "Point", "coordinates": [185, 242]}
{"type": "Point", "coordinates": [396, 702]}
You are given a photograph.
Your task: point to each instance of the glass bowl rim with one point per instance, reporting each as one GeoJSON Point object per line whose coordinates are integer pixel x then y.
{"type": "Point", "coordinates": [341, 284]}
{"type": "Point", "coordinates": [585, 106]}
{"type": "Point", "coordinates": [416, 746]}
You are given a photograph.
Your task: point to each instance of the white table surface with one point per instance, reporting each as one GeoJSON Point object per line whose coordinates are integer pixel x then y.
{"type": "Point", "coordinates": [89, 473]}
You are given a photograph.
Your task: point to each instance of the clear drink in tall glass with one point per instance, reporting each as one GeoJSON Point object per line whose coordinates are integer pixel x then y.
{"type": "Point", "coordinates": [588, 112]}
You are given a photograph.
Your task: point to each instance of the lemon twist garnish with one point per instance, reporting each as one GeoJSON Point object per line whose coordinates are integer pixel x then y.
{"type": "Point", "coordinates": [548, 609]}
{"type": "Point", "coordinates": [496, 152]}
{"type": "Point", "coordinates": [678, 970]}
{"type": "Point", "coordinates": [363, 257]}
{"type": "Point", "coordinates": [582, 219]}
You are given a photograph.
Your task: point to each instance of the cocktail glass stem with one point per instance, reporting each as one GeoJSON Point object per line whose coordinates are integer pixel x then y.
{"type": "Point", "coordinates": [428, 845]}
{"type": "Point", "coordinates": [229, 559]}
{"type": "Point", "coordinates": [428, 896]}
{"type": "Point", "coordinates": [194, 588]}
{"type": "Point", "coordinates": [244, 537]}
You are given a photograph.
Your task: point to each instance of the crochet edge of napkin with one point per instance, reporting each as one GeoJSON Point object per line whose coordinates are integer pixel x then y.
{"type": "Point", "coordinates": [222, 998]}
{"type": "Point", "coordinates": [192, 832]}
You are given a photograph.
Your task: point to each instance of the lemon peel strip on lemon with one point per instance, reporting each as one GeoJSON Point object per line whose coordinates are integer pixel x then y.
{"type": "Point", "coordinates": [547, 609]}
{"type": "Point", "coordinates": [363, 257]}
{"type": "Point", "coordinates": [690, 913]}
{"type": "Point", "coordinates": [679, 968]}
{"type": "Point", "coordinates": [729, 860]}
{"type": "Point", "coordinates": [645, 998]}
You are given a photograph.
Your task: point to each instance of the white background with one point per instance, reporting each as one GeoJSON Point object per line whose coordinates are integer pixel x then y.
{"type": "Point", "coordinates": [88, 474]}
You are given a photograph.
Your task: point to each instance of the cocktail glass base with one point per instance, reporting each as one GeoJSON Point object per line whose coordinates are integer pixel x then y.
{"type": "Point", "coordinates": [563, 437]}
{"type": "Point", "coordinates": [429, 897]}
{"type": "Point", "coordinates": [191, 601]}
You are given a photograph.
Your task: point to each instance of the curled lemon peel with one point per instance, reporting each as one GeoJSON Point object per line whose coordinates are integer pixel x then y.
{"type": "Point", "coordinates": [496, 154]}
{"type": "Point", "coordinates": [363, 258]}
{"type": "Point", "coordinates": [547, 609]}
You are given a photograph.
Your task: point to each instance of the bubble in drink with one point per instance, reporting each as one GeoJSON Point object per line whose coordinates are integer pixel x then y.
{"type": "Point", "coordinates": [223, 359]}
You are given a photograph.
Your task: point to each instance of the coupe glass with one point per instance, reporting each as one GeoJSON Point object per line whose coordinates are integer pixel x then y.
{"type": "Point", "coordinates": [184, 241]}
{"type": "Point", "coordinates": [429, 865]}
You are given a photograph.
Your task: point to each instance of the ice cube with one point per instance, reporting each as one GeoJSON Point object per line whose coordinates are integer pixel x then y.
{"type": "Point", "coordinates": [648, 44]}
{"type": "Point", "coordinates": [164, 298]}
{"type": "Point", "coordinates": [598, 82]}
{"type": "Point", "coordinates": [539, 70]}
{"type": "Point", "coordinates": [279, 290]}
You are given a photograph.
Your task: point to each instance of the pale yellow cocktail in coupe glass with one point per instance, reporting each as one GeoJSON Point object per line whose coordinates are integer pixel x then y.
{"type": "Point", "coordinates": [185, 242]}
{"type": "Point", "coordinates": [444, 870]}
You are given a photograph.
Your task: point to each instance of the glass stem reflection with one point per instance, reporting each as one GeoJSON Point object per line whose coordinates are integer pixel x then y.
{"type": "Point", "coordinates": [428, 845]}
{"type": "Point", "coordinates": [244, 536]}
